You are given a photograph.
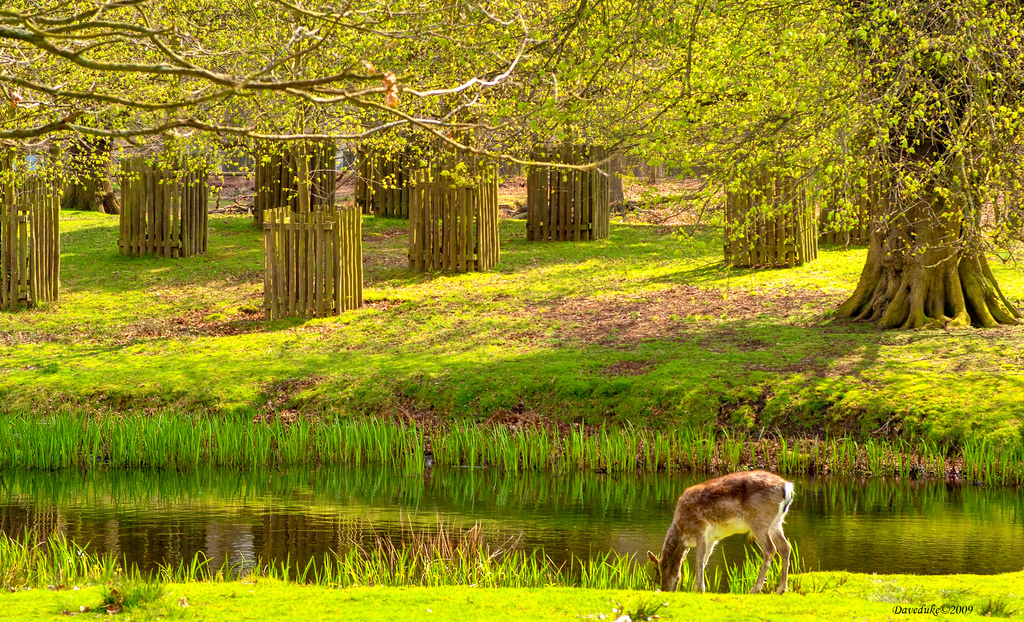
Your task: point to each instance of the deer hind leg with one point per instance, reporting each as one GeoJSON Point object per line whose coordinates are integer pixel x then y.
{"type": "Point", "coordinates": [779, 538]}
{"type": "Point", "coordinates": [764, 540]}
{"type": "Point", "coordinates": [782, 543]}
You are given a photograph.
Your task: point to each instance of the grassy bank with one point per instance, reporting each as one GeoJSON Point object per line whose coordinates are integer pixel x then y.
{"type": "Point", "coordinates": [448, 578]}
{"type": "Point", "coordinates": [841, 597]}
{"type": "Point", "coordinates": [645, 327]}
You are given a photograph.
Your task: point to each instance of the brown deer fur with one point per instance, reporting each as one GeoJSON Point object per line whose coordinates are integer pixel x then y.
{"type": "Point", "coordinates": [749, 501]}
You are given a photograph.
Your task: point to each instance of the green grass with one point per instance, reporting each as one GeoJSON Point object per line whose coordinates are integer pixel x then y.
{"type": "Point", "coordinates": [837, 596]}
{"type": "Point", "coordinates": [645, 327]}
{"type": "Point", "coordinates": [449, 576]}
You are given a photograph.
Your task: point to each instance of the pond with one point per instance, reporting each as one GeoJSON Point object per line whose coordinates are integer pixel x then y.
{"type": "Point", "coordinates": [153, 517]}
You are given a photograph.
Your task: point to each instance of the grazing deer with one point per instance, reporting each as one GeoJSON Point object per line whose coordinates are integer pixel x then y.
{"type": "Point", "coordinates": [754, 501]}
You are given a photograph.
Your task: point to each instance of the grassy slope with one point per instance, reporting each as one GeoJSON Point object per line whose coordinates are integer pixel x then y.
{"type": "Point", "coordinates": [613, 328]}
{"type": "Point", "coordinates": [827, 596]}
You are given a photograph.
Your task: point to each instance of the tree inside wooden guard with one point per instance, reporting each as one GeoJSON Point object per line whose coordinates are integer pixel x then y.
{"type": "Point", "coordinates": [280, 172]}
{"type": "Point", "coordinates": [29, 236]}
{"type": "Point", "coordinates": [567, 204]}
{"type": "Point", "coordinates": [850, 212]}
{"type": "Point", "coordinates": [312, 262]}
{"type": "Point", "coordinates": [164, 208]}
{"type": "Point", "coordinates": [453, 223]}
{"type": "Point", "coordinates": [383, 185]}
{"type": "Point", "coordinates": [769, 224]}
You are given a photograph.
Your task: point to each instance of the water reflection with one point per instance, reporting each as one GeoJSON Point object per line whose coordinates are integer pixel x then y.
{"type": "Point", "coordinates": [154, 517]}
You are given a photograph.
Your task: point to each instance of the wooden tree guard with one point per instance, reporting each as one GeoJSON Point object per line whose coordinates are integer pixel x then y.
{"type": "Point", "coordinates": [383, 186]}
{"type": "Point", "coordinates": [312, 262]}
{"type": "Point", "coordinates": [29, 239]}
{"type": "Point", "coordinates": [164, 211]}
{"type": "Point", "coordinates": [770, 225]}
{"type": "Point", "coordinates": [567, 204]}
{"type": "Point", "coordinates": [282, 170]}
{"type": "Point", "coordinates": [453, 226]}
{"type": "Point", "coordinates": [868, 205]}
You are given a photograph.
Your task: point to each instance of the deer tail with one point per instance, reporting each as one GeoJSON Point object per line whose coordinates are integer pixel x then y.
{"type": "Point", "coordinates": [787, 499]}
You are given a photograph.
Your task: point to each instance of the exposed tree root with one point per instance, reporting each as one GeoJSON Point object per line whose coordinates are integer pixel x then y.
{"type": "Point", "coordinates": [940, 286]}
{"type": "Point", "coordinates": [920, 273]}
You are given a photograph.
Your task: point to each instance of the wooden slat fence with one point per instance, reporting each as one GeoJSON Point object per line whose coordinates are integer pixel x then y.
{"type": "Point", "coordinates": [849, 214]}
{"type": "Point", "coordinates": [566, 204]}
{"type": "Point", "coordinates": [29, 238]}
{"type": "Point", "coordinates": [300, 177]}
{"type": "Point", "coordinates": [769, 224]}
{"type": "Point", "coordinates": [164, 210]}
{"type": "Point", "coordinates": [454, 226]}
{"type": "Point", "coordinates": [312, 262]}
{"type": "Point", "coordinates": [383, 185]}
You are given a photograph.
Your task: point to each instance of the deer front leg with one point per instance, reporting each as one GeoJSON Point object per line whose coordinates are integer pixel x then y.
{"type": "Point", "coordinates": [767, 554]}
{"type": "Point", "coordinates": [701, 561]}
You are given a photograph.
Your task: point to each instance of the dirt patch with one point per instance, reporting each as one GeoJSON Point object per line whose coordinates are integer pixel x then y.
{"type": "Point", "coordinates": [382, 305]}
{"type": "Point", "coordinates": [380, 260]}
{"type": "Point", "coordinates": [279, 399]}
{"type": "Point", "coordinates": [669, 201]}
{"type": "Point", "coordinates": [514, 183]}
{"type": "Point", "coordinates": [202, 323]}
{"type": "Point", "coordinates": [233, 194]}
{"type": "Point", "coordinates": [386, 234]}
{"type": "Point", "coordinates": [198, 322]}
{"type": "Point", "coordinates": [518, 417]}
{"type": "Point", "coordinates": [380, 252]}
{"type": "Point", "coordinates": [665, 314]}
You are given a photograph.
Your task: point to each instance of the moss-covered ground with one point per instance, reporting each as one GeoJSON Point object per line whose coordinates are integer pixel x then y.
{"type": "Point", "coordinates": [816, 596]}
{"type": "Point", "coordinates": [646, 327]}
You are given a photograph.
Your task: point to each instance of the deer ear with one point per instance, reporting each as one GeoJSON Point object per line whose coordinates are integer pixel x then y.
{"type": "Point", "coordinates": [654, 558]}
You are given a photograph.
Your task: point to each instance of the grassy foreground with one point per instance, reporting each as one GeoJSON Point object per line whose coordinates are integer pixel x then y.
{"type": "Point", "coordinates": [645, 327]}
{"type": "Point", "coordinates": [817, 596]}
{"type": "Point", "coordinates": [455, 575]}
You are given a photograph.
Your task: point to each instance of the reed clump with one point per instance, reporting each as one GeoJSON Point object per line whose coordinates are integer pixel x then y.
{"type": "Point", "coordinates": [56, 562]}
{"type": "Point", "coordinates": [172, 440]}
{"type": "Point", "coordinates": [442, 556]}
{"type": "Point", "coordinates": [445, 557]}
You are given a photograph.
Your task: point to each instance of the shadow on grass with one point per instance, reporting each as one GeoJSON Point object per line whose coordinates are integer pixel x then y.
{"type": "Point", "coordinates": [91, 260]}
{"type": "Point", "coordinates": [698, 375]}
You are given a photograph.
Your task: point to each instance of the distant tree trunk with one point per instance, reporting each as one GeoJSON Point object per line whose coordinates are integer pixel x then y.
{"type": "Point", "coordinates": [90, 187]}
{"type": "Point", "coordinates": [920, 271]}
{"type": "Point", "coordinates": [617, 198]}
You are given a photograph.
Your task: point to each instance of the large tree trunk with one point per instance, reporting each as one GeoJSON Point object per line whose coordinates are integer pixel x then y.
{"type": "Point", "coordinates": [90, 188]}
{"type": "Point", "coordinates": [921, 271]}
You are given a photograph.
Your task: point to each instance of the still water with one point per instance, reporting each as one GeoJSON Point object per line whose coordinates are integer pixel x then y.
{"type": "Point", "coordinates": [154, 517]}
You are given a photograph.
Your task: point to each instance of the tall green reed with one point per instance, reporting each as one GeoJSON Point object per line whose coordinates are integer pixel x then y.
{"type": "Point", "coordinates": [174, 440]}
{"type": "Point", "coordinates": [440, 557]}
